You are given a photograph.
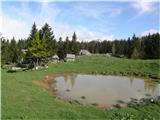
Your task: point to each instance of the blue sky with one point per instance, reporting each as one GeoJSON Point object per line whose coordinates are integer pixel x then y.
{"type": "Point", "coordinates": [90, 20]}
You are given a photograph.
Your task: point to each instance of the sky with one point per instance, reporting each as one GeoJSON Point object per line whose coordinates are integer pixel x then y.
{"type": "Point", "coordinates": [91, 20]}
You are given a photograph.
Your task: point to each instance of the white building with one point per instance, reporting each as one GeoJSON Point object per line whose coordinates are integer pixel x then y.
{"type": "Point", "coordinates": [24, 51]}
{"type": "Point", "coordinates": [108, 54]}
{"type": "Point", "coordinates": [84, 52]}
{"type": "Point", "coordinates": [55, 59]}
{"type": "Point", "coordinates": [70, 57]}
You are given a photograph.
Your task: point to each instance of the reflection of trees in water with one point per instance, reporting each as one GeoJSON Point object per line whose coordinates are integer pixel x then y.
{"type": "Point", "coordinates": [66, 77]}
{"type": "Point", "coordinates": [131, 80]}
{"type": "Point", "coordinates": [70, 78]}
{"type": "Point", "coordinates": [150, 86]}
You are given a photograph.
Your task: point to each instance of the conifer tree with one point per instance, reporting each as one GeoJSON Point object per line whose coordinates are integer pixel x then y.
{"type": "Point", "coordinates": [61, 51]}
{"type": "Point", "coordinates": [13, 51]}
{"type": "Point", "coordinates": [67, 45]}
{"type": "Point", "coordinates": [32, 34]}
{"type": "Point", "coordinates": [5, 52]}
{"type": "Point", "coordinates": [37, 50]}
{"type": "Point", "coordinates": [135, 54]}
{"type": "Point", "coordinates": [74, 45]}
{"type": "Point", "coordinates": [50, 41]}
{"type": "Point", "coordinates": [113, 49]}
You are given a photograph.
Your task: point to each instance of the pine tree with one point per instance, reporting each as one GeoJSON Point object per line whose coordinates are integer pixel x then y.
{"type": "Point", "coordinates": [61, 51]}
{"type": "Point", "coordinates": [51, 42]}
{"type": "Point", "coordinates": [156, 45]}
{"type": "Point", "coordinates": [135, 54]}
{"type": "Point", "coordinates": [37, 50]}
{"type": "Point", "coordinates": [13, 51]}
{"type": "Point", "coordinates": [32, 36]}
{"type": "Point", "coordinates": [113, 49]}
{"type": "Point", "coordinates": [67, 45]}
{"type": "Point", "coordinates": [74, 37]}
{"type": "Point", "coordinates": [5, 52]}
{"type": "Point", "coordinates": [128, 48]}
{"type": "Point", "coordinates": [74, 45]}
{"type": "Point", "coordinates": [152, 46]}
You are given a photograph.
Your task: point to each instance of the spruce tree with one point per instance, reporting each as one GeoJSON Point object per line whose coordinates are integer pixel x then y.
{"type": "Point", "coordinates": [13, 51]}
{"type": "Point", "coordinates": [61, 51]}
{"type": "Point", "coordinates": [135, 54]}
{"type": "Point", "coordinates": [67, 45]}
{"type": "Point", "coordinates": [113, 49]}
{"type": "Point", "coordinates": [74, 45]}
{"type": "Point", "coordinates": [37, 50]}
{"type": "Point", "coordinates": [32, 34]}
{"type": "Point", "coordinates": [50, 41]}
{"type": "Point", "coordinates": [5, 52]}
{"type": "Point", "coordinates": [74, 37]}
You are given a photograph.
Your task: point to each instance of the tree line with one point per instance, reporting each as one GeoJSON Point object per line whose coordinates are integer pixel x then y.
{"type": "Point", "coordinates": [41, 45]}
{"type": "Point", "coordinates": [146, 47]}
{"type": "Point", "coordinates": [38, 47]}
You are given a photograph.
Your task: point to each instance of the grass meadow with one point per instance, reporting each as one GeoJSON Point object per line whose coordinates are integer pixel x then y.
{"type": "Point", "coordinates": [21, 99]}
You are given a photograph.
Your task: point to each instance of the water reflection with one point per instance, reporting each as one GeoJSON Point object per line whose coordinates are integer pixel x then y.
{"type": "Point", "coordinates": [104, 90]}
{"type": "Point", "coordinates": [70, 79]}
{"type": "Point", "coordinates": [131, 79]}
{"type": "Point", "coordinates": [150, 87]}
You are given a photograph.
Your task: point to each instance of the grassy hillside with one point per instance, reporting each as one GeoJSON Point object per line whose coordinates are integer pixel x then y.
{"type": "Point", "coordinates": [21, 99]}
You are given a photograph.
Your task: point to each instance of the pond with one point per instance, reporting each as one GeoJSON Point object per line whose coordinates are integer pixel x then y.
{"type": "Point", "coordinates": [104, 91]}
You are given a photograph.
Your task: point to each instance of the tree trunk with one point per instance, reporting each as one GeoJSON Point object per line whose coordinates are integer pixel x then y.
{"type": "Point", "coordinates": [37, 62]}
{"type": "Point", "coordinates": [34, 63]}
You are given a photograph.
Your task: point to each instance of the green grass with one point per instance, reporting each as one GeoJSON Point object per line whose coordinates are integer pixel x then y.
{"type": "Point", "coordinates": [21, 99]}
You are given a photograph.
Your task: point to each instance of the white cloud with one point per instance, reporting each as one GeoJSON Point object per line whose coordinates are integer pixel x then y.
{"type": "Point", "coordinates": [97, 10]}
{"type": "Point", "coordinates": [142, 7]}
{"type": "Point", "coordinates": [63, 30]}
{"type": "Point", "coordinates": [151, 31]}
{"type": "Point", "coordinates": [15, 26]}
{"type": "Point", "coordinates": [47, 14]}
{"type": "Point", "coordinates": [12, 27]}
{"type": "Point", "coordinates": [83, 33]}
{"type": "Point", "coordinates": [20, 27]}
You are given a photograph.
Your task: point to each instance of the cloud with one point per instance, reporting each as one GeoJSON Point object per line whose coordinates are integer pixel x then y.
{"type": "Point", "coordinates": [82, 33]}
{"type": "Point", "coordinates": [47, 14]}
{"type": "Point", "coordinates": [97, 9]}
{"type": "Point", "coordinates": [151, 31]}
{"type": "Point", "coordinates": [142, 7]}
{"type": "Point", "coordinates": [20, 26]}
{"type": "Point", "coordinates": [12, 27]}
{"type": "Point", "coordinates": [15, 25]}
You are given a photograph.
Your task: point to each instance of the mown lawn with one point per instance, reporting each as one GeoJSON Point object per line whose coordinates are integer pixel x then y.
{"type": "Point", "coordinates": [21, 99]}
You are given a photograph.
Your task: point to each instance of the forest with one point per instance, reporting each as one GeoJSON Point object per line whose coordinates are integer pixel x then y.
{"type": "Point", "coordinates": [41, 45]}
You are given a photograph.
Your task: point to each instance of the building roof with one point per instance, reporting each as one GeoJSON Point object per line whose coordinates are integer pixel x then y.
{"type": "Point", "coordinates": [24, 50]}
{"type": "Point", "coordinates": [55, 57]}
{"type": "Point", "coordinates": [84, 52]}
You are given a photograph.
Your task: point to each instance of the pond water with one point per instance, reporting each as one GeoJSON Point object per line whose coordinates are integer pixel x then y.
{"type": "Point", "coordinates": [102, 90]}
